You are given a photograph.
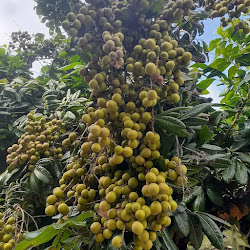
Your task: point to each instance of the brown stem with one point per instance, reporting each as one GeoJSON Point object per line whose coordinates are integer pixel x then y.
{"type": "Point", "coordinates": [236, 118]}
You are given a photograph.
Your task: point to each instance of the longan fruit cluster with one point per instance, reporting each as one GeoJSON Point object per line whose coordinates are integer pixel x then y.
{"type": "Point", "coordinates": [234, 9]}
{"type": "Point", "coordinates": [37, 142]}
{"type": "Point", "coordinates": [24, 42]}
{"type": "Point", "coordinates": [114, 169]}
{"type": "Point", "coordinates": [113, 44]}
{"type": "Point", "coordinates": [10, 233]}
{"type": "Point", "coordinates": [176, 171]}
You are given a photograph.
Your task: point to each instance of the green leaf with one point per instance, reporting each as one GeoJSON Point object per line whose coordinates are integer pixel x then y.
{"type": "Point", "coordinates": [229, 172]}
{"type": "Point", "coordinates": [225, 91]}
{"type": "Point", "coordinates": [167, 112]}
{"type": "Point", "coordinates": [195, 231]}
{"type": "Point", "coordinates": [212, 231]}
{"type": "Point", "coordinates": [192, 182]}
{"type": "Point", "coordinates": [182, 223]}
{"type": "Point", "coordinates": [214, 197]}
{"type": "Point", "coordinates": [216, 219]}
{"type": "Point", "coordinates": [199, 203]}
{"type": "Point", "coordinates": [34, 183]}
{"type": "Point", "coordinates": [70, 66]}
{"type": "Point", "coordinates": [38, 237]}
{"type": "Point", "coordinates": [196, 110]}
{"type": "Point", "coordinates": [168, 241]}
{"type": "Point", "coordinates": [211, 147]}
{"type": "Point", "coordinates": [195, 121]}
{"type": "Point", "coordinates": [244, 157]}
{"type": "Point", "coordinates": [241, 175]}
{"type": "Point", "coordinates": [84, 216]}
{"type": "Point", "coordinates": [221, 163]}
{"type": "Point", "coordinates": [204, 84]}
{"type": "Point", "coordinates": [220, 64]}
{"type": "Point", "coordinates": [213, 44]}
{"type": "Point", "coordinates": [172, 125]}
{"type": "Point", "coordinates": [43, 174]}
{"type": "Point", "coordinates": [205, 134]}
{"type": "Point", "coordinates": [232, 71]}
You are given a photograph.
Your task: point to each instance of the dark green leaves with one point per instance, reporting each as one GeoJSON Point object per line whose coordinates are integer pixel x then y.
{"type": "Point", "coordinates": [241, 174]}
{"type": "Point", "coordinates": [212, 231]}
{"type": "Point", "coordinates": [47, 233]}
{"type": "Point", "coordinates": [214, 196]}
{"type": "Point", "coordinates": [172, 125]}
{"type": "Point", "coordinates": [200, 201]}
{"type": "Point", "coordinates": [195, 231]}
{"type": "Point", "coordinates": [43, 174]}
{"type": "Point", "coordinates": [182, 222]}
{"type": "Point", "coordinates": [168, 243]}
{"type": "Point", "coordinates": [229, 172]}
{"type": "Point", "coordinates": [196, 110]}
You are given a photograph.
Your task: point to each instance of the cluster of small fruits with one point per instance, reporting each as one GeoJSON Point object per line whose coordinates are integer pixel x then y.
{"type": "Point", "coordinates": [234, 9]}
{"type": "Point", "coordinates": [114, 169]}
{"type": "Point", "coordinates": [38, 141]}
{"type": "Point", "coordinates": [25, 42]}
{"type": "Point", "coordinates": [10, 233]}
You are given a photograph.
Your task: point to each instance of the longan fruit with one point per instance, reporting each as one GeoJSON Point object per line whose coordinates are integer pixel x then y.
{"type": "Point", "coordinates": [63, 209]}
{"type": "Point", "coordinates": [137, 227]}
{"type": "Point", "coordinates": [150, 69]}
{"type": "Point", "coordinates": [150, 44]}
{"type": "Point", "coordinates": [111, 197]}
{"type": "Point", "coordinates": [117, 242]}
{"type": "Point", "coordinates": [50, 210]}
{"type": "Point", "coordinates": [95, 227]}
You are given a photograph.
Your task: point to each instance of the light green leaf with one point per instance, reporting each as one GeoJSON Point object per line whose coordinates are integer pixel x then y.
{"type": "Point", "coordinates": [205, 83]}
{"type": "Point", "coordinates": [213, 44]}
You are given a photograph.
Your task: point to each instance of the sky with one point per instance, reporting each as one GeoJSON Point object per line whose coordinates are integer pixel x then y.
{"type": "Point", "coordinates": [20, 15]}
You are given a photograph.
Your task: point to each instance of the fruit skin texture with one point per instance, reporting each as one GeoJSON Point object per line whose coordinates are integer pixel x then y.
{"type": "Point", "coordinates": [117, 241]}
{"type": "Point", "coordinates": [63, 209]}
{"type": "Point", "coordinates": [95, 227]}
{"type": "Point", "coordinates": [150, 69]}
{"type": "Point", "coordinates": [137, 227]}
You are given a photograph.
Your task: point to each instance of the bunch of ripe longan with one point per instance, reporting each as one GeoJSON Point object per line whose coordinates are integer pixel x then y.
{"type": "Point", "coordinates": [144, 52]}
{"type": "Point", "coordinates": [115, 172]}
{"type": "Point", "coordinates": [38, 141]}
{"type": "Point", "coordinates": [10, 233]}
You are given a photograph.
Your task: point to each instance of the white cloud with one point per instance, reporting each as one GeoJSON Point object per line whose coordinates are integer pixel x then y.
{"type": "Point", "coordinates": [19, 15]}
